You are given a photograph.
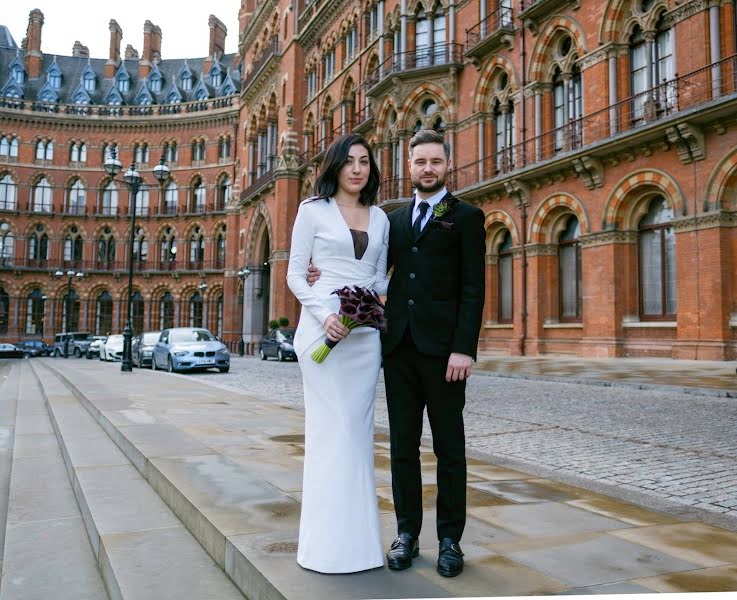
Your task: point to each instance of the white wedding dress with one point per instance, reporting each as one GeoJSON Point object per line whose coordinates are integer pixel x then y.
{"type": "Point", "coordinates": [339, 524]}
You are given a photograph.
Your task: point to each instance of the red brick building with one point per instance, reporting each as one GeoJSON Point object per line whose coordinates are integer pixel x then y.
{"type": "Point", "coordinates": [598, 138]}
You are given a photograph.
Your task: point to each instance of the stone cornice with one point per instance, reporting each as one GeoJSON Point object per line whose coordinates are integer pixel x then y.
{"type": "Point", "coordinates": [322, 20]}
{"type": "Point", "coordinates": [605, 238]}
{"type": "Point", "coordinates": [705, 221]}
{"type": "Point", "coordinates": [268, 76]}
{"type": "Point", "coordinates": [684, 11]}
{"type": "Point", "coordinates": [256, 25]}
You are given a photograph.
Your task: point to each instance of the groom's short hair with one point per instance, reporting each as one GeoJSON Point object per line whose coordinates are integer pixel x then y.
{"type": "Point", "coordinates": [429, 136]}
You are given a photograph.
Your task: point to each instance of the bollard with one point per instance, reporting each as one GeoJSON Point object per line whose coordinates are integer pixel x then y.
{"type": "Point", "coordinates": [241, 347]}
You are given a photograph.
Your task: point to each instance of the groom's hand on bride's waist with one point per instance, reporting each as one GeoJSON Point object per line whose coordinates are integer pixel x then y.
{"type": "Point", "coordinates": [313, 274]}
{"type": "Point", "coordinates": [459, 367]}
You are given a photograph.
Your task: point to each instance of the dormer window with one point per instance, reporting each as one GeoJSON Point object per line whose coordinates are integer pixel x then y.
{"type": "Point", "coordinates": [18, 75]}
{"type": "Point", "coordinates": [216, 79]}
{"type": "Point", "coordinates": [89, 82]}
{"type": "Point", "coordinates": [156, 84]}
{"type": "Point", "coordinates": [186, 82]}
{"type": "Point", "coordinates": [123, 85]}
{"type": "Point", "coordinates": [55, 80]}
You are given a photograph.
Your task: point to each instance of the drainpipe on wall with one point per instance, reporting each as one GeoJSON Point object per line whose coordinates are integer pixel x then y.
{"type": "Point", "coordinates": [523, 201]}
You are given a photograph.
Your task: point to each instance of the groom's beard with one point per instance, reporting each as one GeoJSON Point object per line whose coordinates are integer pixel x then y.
{"type": "Point", "coordinates": [438, 185]}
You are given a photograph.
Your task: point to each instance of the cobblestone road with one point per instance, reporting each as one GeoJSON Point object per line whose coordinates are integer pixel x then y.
{"type": "Point", "coordinates": [669, 451]}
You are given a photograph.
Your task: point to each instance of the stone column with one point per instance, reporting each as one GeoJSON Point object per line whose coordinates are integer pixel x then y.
{"type": "Point", "coordinates": [715, 47]}
{"type": "Point", "coordinates": [612, 93]}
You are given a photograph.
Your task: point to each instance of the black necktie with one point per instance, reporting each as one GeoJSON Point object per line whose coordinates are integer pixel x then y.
{"type": "Point", "coordinates": [417, 225]}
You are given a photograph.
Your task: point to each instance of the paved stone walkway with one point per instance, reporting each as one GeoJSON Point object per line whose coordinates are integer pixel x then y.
{"type": "Point", "coordinates": [661, 447]}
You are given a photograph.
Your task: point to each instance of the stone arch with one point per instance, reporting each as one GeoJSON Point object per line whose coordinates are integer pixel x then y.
{"type": "Point", "coordinates": [539, 231]}
{"type": "Point", "coordinates": [499, 219]}
{"type": "Point", "coordinates": [24, 289]}
{"type": "Point", "coordinates": [387, 105]}
{"type": "Point", "coordinates": [348, 88]}
{"type": "Point", "coordinates": [163, 227]}
{"type": "Point", "coordinates": [260, 222]}
{"type": "Point", "coordinates": [425, 89]}
{"type": "Point", "coordinates": [426, 4]}
{"type": "Point", "coordinates": [191, 227]}
{"type": "Point", "coordinates": [618, 18]}
{"type": "Point", "coordinates": [541, 52]}
{"type": "Point", "coordinates": [67, 228]}
{"type": "Point", "coordinates": [31, 228]}
{"type": "Point", "coordinates": [618, 208]}
{"type": "Point", "coordinates": [100, 230]}
{"type": "Point", "coordinates": [486, 80]}
{"type": "Point", "coordinates": [722, 185]}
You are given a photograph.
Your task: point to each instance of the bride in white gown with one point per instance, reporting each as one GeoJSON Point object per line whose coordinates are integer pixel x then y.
{"type": "Point", "coordinates": [346, 238]}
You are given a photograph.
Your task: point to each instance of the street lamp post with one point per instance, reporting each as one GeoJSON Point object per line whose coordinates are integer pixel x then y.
{"type": "Point", "coordinates": [71, 274]}
{"type": "Point", "coordinates": [133, 180]}
{"type": "Point", "coordinates": [243, 275]}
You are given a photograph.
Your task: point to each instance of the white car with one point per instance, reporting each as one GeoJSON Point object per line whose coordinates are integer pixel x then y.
{"type": "Point", "coordinates": [112, 348]}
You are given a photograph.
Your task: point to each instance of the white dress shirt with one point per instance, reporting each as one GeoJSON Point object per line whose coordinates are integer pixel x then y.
{"type": "Point", "coordinates": [432, 201]}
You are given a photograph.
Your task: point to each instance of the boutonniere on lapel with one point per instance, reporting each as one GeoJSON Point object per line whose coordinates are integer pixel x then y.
{"type": "Point", "coordinates": [443, 209]}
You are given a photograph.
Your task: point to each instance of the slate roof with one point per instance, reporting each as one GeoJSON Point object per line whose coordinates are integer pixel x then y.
{"type": "Point", "coordinates": [73, 67]}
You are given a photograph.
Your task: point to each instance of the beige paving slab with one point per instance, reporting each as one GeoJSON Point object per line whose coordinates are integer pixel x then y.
{"type": "Point", "coordinates": [714, 579]}
{"type": "Point", "coordinates": [39, 502]}
{"type": "Point", "coordinates": [50, 559]}
{"type": "Point", "coordinates": [36, 445]}
{"type": "Point", "coordinates": [32, 424]}
{"type": "Point", "coordinates": [704, 545]}
{"type": "Point", "coordinates": [628, 513]}
{"type": "Point", "coordinates": [596, 560]}
{"type": "Point", "coordinates": [623, 587]}
{"type": "Point", "coordinates": [544, 519]}
{"type": "Point", "coordinates": [163, 440]}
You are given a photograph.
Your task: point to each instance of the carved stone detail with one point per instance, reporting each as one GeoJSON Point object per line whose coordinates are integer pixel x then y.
{"type": "Point", "coordinates": [705, 221]}
{"type": "Point", "coordinates": [519, 191]}
{"type": "Point", "coordinates": [541, 249]}
{"type": "Point", "coordinates": [604, 238]}
{"type": "Point", "coordinates": [591, 171]}
{"type": "Point", "coordinates": [684, 11]}
{"type": "Point", "coordinates": [689, 142]}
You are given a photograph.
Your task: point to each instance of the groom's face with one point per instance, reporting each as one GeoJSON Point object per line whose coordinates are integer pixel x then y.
{"type": "Point", "coordinates": [428, 167]}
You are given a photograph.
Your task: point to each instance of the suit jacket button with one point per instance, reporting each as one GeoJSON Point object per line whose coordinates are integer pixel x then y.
{"type": "Point", "coordinates": [411, 302]}
{"type": "Point", "coordinates": [412, 275]}
{"type": "Point", "coordinates": [415, 248]}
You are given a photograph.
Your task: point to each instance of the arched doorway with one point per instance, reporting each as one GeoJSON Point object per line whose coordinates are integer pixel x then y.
{"type": "Point", "coordinates": [257, 288]}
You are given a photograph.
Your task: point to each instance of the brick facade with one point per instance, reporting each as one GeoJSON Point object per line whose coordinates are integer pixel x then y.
{"type": "Point", "coordinates": [598, 135]}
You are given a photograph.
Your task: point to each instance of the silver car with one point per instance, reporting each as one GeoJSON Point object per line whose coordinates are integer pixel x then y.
{"type": "Point", "coordinates": [190, 348]}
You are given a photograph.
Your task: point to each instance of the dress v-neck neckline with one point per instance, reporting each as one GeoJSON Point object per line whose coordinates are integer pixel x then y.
{"type": "Point", "coordinates": [348, 229]}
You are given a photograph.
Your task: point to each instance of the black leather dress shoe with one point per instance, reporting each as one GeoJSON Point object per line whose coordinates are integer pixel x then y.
{"type": "Point", "coordinates": [450, 558]}
{"type": "Point", "coordinates": [402, 551]}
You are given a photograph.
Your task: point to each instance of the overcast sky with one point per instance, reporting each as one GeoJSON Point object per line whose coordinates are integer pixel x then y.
{"type": "Point", "coordinates": [183, 23]}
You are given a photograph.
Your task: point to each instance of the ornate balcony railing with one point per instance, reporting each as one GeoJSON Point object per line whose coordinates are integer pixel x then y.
{"type": "Point", "coordinates": [116, 111]}
{"type": "Point", "coordinates": [260, 182]}
{"type": "Point", "coordinates": [148, 265]}
{"type": "Point", "coordinates": [403, 62]}
{"type": "Point", "coordinates": [501, 20]}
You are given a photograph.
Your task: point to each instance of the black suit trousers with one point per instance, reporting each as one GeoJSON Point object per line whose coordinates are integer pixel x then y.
{"type": "Point", "coordinates": [415, 381]}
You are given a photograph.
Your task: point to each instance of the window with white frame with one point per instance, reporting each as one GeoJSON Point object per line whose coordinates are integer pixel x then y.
{"type": "Point", "coordinates": [42, 196]}
{"type": "Point", "coordinates": [8, 193]}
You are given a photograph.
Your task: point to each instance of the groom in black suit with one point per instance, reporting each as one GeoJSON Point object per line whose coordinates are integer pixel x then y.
{"type": "Point", "coordinates": [434, 306]}
{"type": "Point", "coordinates": [433, 309]}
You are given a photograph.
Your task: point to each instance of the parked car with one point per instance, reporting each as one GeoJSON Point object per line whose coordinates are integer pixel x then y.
{"type": "Point", "coordinates": [10, 351]}
{"type": "Point", "coordinates": [79, 342]}
{"type": "Point", "coordinates": [279, 344]}
{"type": "Point", "coordinates": [143, 348]}
{"type": "Point", "coordinates": [33, 348]}
{"type": "Point", "coordinates": [189, 348]}
{"type": "Point", "coordinates": [112, 348]}
{"type": "Point", "coordinates": [95, 344]}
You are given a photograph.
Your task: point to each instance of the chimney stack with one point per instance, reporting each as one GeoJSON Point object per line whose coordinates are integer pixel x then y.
{"type": "Point", "coordinates": [130, 52]}
{"type": "Point", "coordinates": [151, 48]}
{"type": "Point", "coordinates": [116, 36]}
{"type": "Point", "coordinates": [80, 51]}
{"type": "Point", "coordinates": [34, 58]}
{"type": "Point", "coordinates": [218, 31]}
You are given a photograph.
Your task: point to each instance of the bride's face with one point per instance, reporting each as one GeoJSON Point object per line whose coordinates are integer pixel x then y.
{"type": "Point", "coordinates": [354, 174]}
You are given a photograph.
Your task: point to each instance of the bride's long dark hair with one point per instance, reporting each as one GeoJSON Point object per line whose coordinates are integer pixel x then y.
{"type": "Point", "coordinates": [326, 184]}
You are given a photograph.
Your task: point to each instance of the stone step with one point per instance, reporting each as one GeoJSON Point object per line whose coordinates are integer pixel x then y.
{"type": "Point", "coordinates": [9, 386]}
{"type": "Point", "coordinates": [141, 548]}
{"type": "Point", "coordinates": [245, 510]}
{"type": "Point", "coordinates": [47, 554]}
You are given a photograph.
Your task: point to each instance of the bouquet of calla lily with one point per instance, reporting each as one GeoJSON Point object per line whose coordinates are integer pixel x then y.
{"type": "Point", "coordinates": [359, 307]}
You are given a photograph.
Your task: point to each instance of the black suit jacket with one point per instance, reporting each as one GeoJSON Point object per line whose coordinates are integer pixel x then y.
{"type": "Point", "coordinates": [437, 287]}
